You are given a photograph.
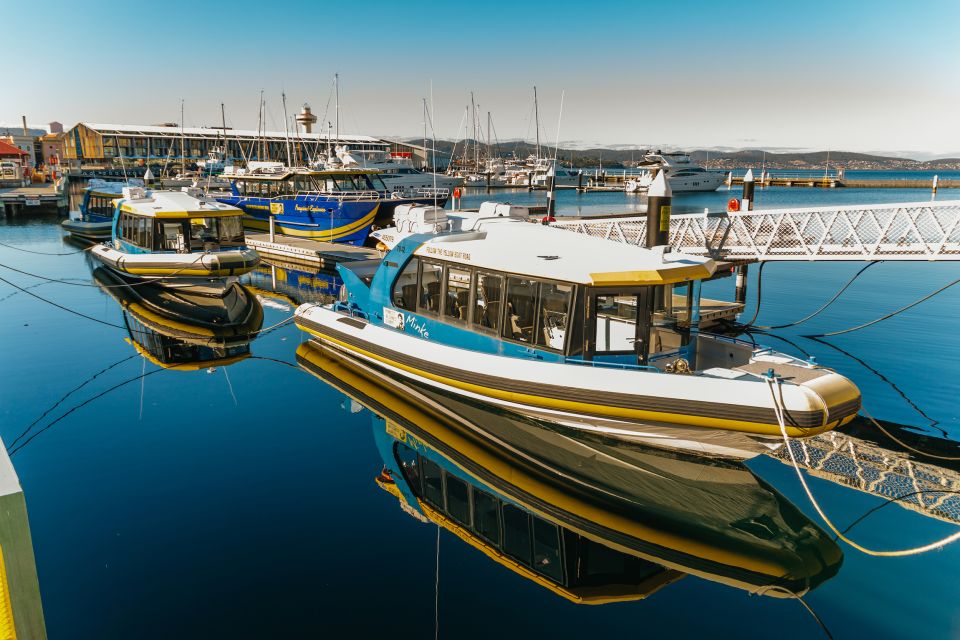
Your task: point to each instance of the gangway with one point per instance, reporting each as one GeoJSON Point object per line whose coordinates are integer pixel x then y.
{"type": "Point", "coordinates": [928, 231]}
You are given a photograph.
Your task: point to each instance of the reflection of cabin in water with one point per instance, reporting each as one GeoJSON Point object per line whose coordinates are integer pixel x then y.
{"type": "Point", "coordinates": [556, 557]}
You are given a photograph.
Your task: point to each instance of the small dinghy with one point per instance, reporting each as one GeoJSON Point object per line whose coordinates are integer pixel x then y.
{"type": "Point", "coordinates": [595, 334]}
{"type": "Point", "coordinates": [177, 239]}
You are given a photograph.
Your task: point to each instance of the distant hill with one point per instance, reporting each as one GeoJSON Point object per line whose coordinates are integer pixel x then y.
{"type": "Point", "coordinates": [616, 158]}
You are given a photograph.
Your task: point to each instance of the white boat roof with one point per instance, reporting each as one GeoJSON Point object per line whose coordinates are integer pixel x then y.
{"type": "Point", "coordinates": [540, 251]}
{"type": "Point", "coordinates": [176, 204]}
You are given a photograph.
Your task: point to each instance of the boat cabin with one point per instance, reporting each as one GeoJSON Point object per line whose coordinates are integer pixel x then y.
{"type": "Point", "coordinates": [358, 183]}
{"type": "Point", "coordinates": [517, 288]}
{"type": "Point", "coordinates": [175, 222]}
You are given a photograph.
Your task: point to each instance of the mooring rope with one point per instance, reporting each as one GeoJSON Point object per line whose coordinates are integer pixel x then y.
{"type": "Point", "coordinates": [793, 594]}
{"type": "Point", "coordinates": [886, 317]}
{"type": "Point", "coordinates": [871, 552]}
{"type": "Point", "coordinates": [904, 444]}
{"type": "Point", "coordinates": [46, 253]}
{"type": "Point", "coordinates": [106, 286]}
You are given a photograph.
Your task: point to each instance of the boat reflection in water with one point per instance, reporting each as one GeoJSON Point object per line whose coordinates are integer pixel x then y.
{"type": "Point", "coordinates": [592, 519]}
{"type": "Point", "coordinates": [184, 330]}
{"type": "Point", "coordinates": [294, 283]}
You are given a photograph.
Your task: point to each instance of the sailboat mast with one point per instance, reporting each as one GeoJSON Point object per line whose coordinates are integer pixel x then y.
{"type": "Point", "coordinates": [286, 130]}
{"type": "Point", "coordinates": [183, 153]}
{"type": "Point", "coordinates": [336, 83]}
{"type": "Point", "coordinates": [488, 135]}
{"type": "Point", "coordinates": [536, 117]}
{"type": "Point", "coordinates": [424, 132]}
{"type": "Point", "coordinates": [223, 122]}
{"type": "Point", "coordinates": [260, 127]}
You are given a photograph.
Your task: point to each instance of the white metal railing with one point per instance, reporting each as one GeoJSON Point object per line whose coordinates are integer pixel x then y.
{"type": "Point", "coordinates": [910, 231]}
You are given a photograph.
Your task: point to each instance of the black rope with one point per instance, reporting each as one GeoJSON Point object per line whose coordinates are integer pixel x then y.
{"type": "Point", "coordinates": [825, 305]}
{"type": "Point", "coordinates": [104, 286]}
{"type": "Point", "coordinates": [59, 306]}
{"type": "Point", "coordinates": [14, 451]}
{"type": "Point", "coordinates": [886, 317]}
{"type": "Point", "coordinates": [45, 253]}
{"type": "Point", "coordinates": [65, 396]}
{"type": "Point", "coordinates": [759, 293]}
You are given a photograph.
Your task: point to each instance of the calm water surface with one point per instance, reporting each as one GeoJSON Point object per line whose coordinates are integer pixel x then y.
{"type": "Point", "coordinates": [241, 500]}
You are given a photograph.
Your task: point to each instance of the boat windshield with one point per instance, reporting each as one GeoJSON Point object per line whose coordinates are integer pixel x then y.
{"type": "Point", "coordinates": [222, 231]}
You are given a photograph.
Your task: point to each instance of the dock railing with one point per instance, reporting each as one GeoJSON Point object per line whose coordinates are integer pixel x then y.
{"type": "Point", "coordinates": [909, 231]}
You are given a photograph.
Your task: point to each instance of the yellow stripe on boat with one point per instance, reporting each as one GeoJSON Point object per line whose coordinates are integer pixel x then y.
{"type": "Point", "coordinates": [669, 275]}
{"type": "Point", "coordinates": [330, 234]}
{"type": "Point", "coordinates": [583, 408]}
{"type": "Point", "coordinates": [8, 628]}
{"type": "Point", "coordinates": [200, 213]}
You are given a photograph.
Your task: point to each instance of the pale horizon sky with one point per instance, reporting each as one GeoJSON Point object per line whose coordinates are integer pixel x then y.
{"type": "Point", "coordinates": [874, 77]}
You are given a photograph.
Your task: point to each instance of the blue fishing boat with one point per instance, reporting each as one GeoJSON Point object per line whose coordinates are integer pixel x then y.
{"type": "Point", "coordinates": [591, 333]}
{"type": "Point", "coordinates": [334, 205]}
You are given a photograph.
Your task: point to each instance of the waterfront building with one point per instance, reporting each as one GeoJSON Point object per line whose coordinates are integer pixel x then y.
{"type": "Point", "coordinates": [95, 143]}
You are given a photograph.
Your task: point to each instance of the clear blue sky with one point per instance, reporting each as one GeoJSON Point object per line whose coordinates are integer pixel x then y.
{"type": "Point", "coordinates": [866, 76]}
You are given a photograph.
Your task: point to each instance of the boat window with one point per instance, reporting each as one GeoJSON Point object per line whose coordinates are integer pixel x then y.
{"type": "Point", "coordinates": [486, 516]}
{"type": "Point", "coordinates": [486, 313]}
{"type": "Point", "coordinates": [457, 303]}
{"type": "Point", "coordinates": [546, 549]}
{"type": "Point", "coordinates": [231, 230]}
{"type": "Point", "coordinates": [516, 533]}
{"type": "Point", "coordinates": [458, 500]}
{"type": "Point", "coordinates": [431, 277]}
{"type": "Point", "coordinates": [203, 231]}
{"type": "Point", "coordinates": [554, 314]}
{"type": "Point", "coordinates": [146, 232]}
{"type": "Point", "coordinates": [432, 482]}
{"type": "Point", "coordinates": [405, 287]}
{"type": "Point", "coordinates": [616, 323]}
{"type": "Point", "coordinates": [521, 308]}
{"type": "Point", "coordinates": [407, 458]}
{"type": "Point", "coordinates": [599, 565]}
{"type": "Point", "coordinates": [171, 236]}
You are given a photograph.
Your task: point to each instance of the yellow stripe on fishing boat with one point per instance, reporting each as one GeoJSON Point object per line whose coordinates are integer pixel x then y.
{"type": "Point", "coordinates": [330, 234]}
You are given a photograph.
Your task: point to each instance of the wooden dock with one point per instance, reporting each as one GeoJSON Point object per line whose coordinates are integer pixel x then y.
{"type": "Point", "coordinates": [18, 199]}
{"type": "Point", "coordinates": [306, 251]}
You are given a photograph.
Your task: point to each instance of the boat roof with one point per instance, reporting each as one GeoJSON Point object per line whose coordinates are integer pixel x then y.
{"type": "Point", "coordinates": [538, 251]}
{"type": "Point", "coordinates": [176, 204]}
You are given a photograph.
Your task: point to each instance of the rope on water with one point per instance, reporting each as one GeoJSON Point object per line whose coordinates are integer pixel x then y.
{"type": "Point", "coordinates": [72, 281]}
{"type": "Point", "coordinates": [792, 594]}
{"type": "Point", "coordinates": [60, 306]}
{"type": "Point", "coordinates": [46, 253]}
{"type": "Point", "coordinates": [871, 552]}
{"type": "Point", "coordinates": [889, 315]}
{"type": "Point", "coordinates": [825, 305]}
{"type": "Point", "coordinates": [904, 444]}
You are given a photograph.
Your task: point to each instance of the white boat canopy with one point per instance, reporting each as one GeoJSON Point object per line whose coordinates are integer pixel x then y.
{"type": "Point", "coordinates": [188, 203]}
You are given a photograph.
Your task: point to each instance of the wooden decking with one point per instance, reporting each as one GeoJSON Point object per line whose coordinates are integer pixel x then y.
{"type": "Point", "coordinates": [312, 252]}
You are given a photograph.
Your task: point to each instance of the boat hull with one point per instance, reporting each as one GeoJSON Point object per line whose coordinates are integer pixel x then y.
{"type": "Point", "coordinates": [88, 230]}
{"type": "Point", "coordinates": [631, 404]}
{"type": "Point", "coordinates": [319, 218]}
{"type": "Point", "coordinates": [215, 270]}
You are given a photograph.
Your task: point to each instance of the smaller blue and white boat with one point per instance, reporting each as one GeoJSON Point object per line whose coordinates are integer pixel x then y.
{"type": "Point", "coordinates": [177, 239]}
{"type": "Point", "coordinates": [94, 219]}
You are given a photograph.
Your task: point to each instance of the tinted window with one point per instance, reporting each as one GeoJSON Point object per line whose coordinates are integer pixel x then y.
{"type": "Point", "coordinates": [516, 533]}
{"type": "Point", "coordinates": [486, 516]}
{"type": "Point", "coordinates": [430, 280]}
{"type": "Point", "coordinates": [407, 458]}
{"type": "Point", "coordinates": [554, 314]}
{"type": "Point", "coordinates": [432, 482]}
{"type": "Point", "coordinates": [405, 287]}
{"type": "Point", "coordinates": [546, 549]}
{"type": "Point", "coordinates": [458, 500]}
{"type": "Point", "coordinates": [521, 309]}
{"type": "Point", "coordinates": [457, 302]}
{"type": "Point", "coordinates": [486, 313]}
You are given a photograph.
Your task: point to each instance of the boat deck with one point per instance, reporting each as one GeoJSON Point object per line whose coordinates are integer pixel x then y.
{"type": "Point", "coordinates": [313, 252]}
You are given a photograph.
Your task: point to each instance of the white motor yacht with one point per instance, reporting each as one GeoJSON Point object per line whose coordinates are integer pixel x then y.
{"type": "Point", "coordinates": [683, 173]}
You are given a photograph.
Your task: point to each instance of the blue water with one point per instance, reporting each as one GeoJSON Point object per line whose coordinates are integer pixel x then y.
{"type": "Point", "coordinates": [240, 502]}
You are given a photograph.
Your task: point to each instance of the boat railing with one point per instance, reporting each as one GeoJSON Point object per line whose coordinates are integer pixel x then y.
{"type": "Point", "coordinates": [343, 195]}
{"type": "Point", "coordinates": [612, 365]}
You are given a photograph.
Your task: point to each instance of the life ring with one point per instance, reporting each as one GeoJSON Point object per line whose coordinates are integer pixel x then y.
{"type": "Point", "coordinates": [733, 205]}
{"type": "Point", "coordinates": [547, 219]}
{"type": "Point", "coordinates": [457, 192]}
